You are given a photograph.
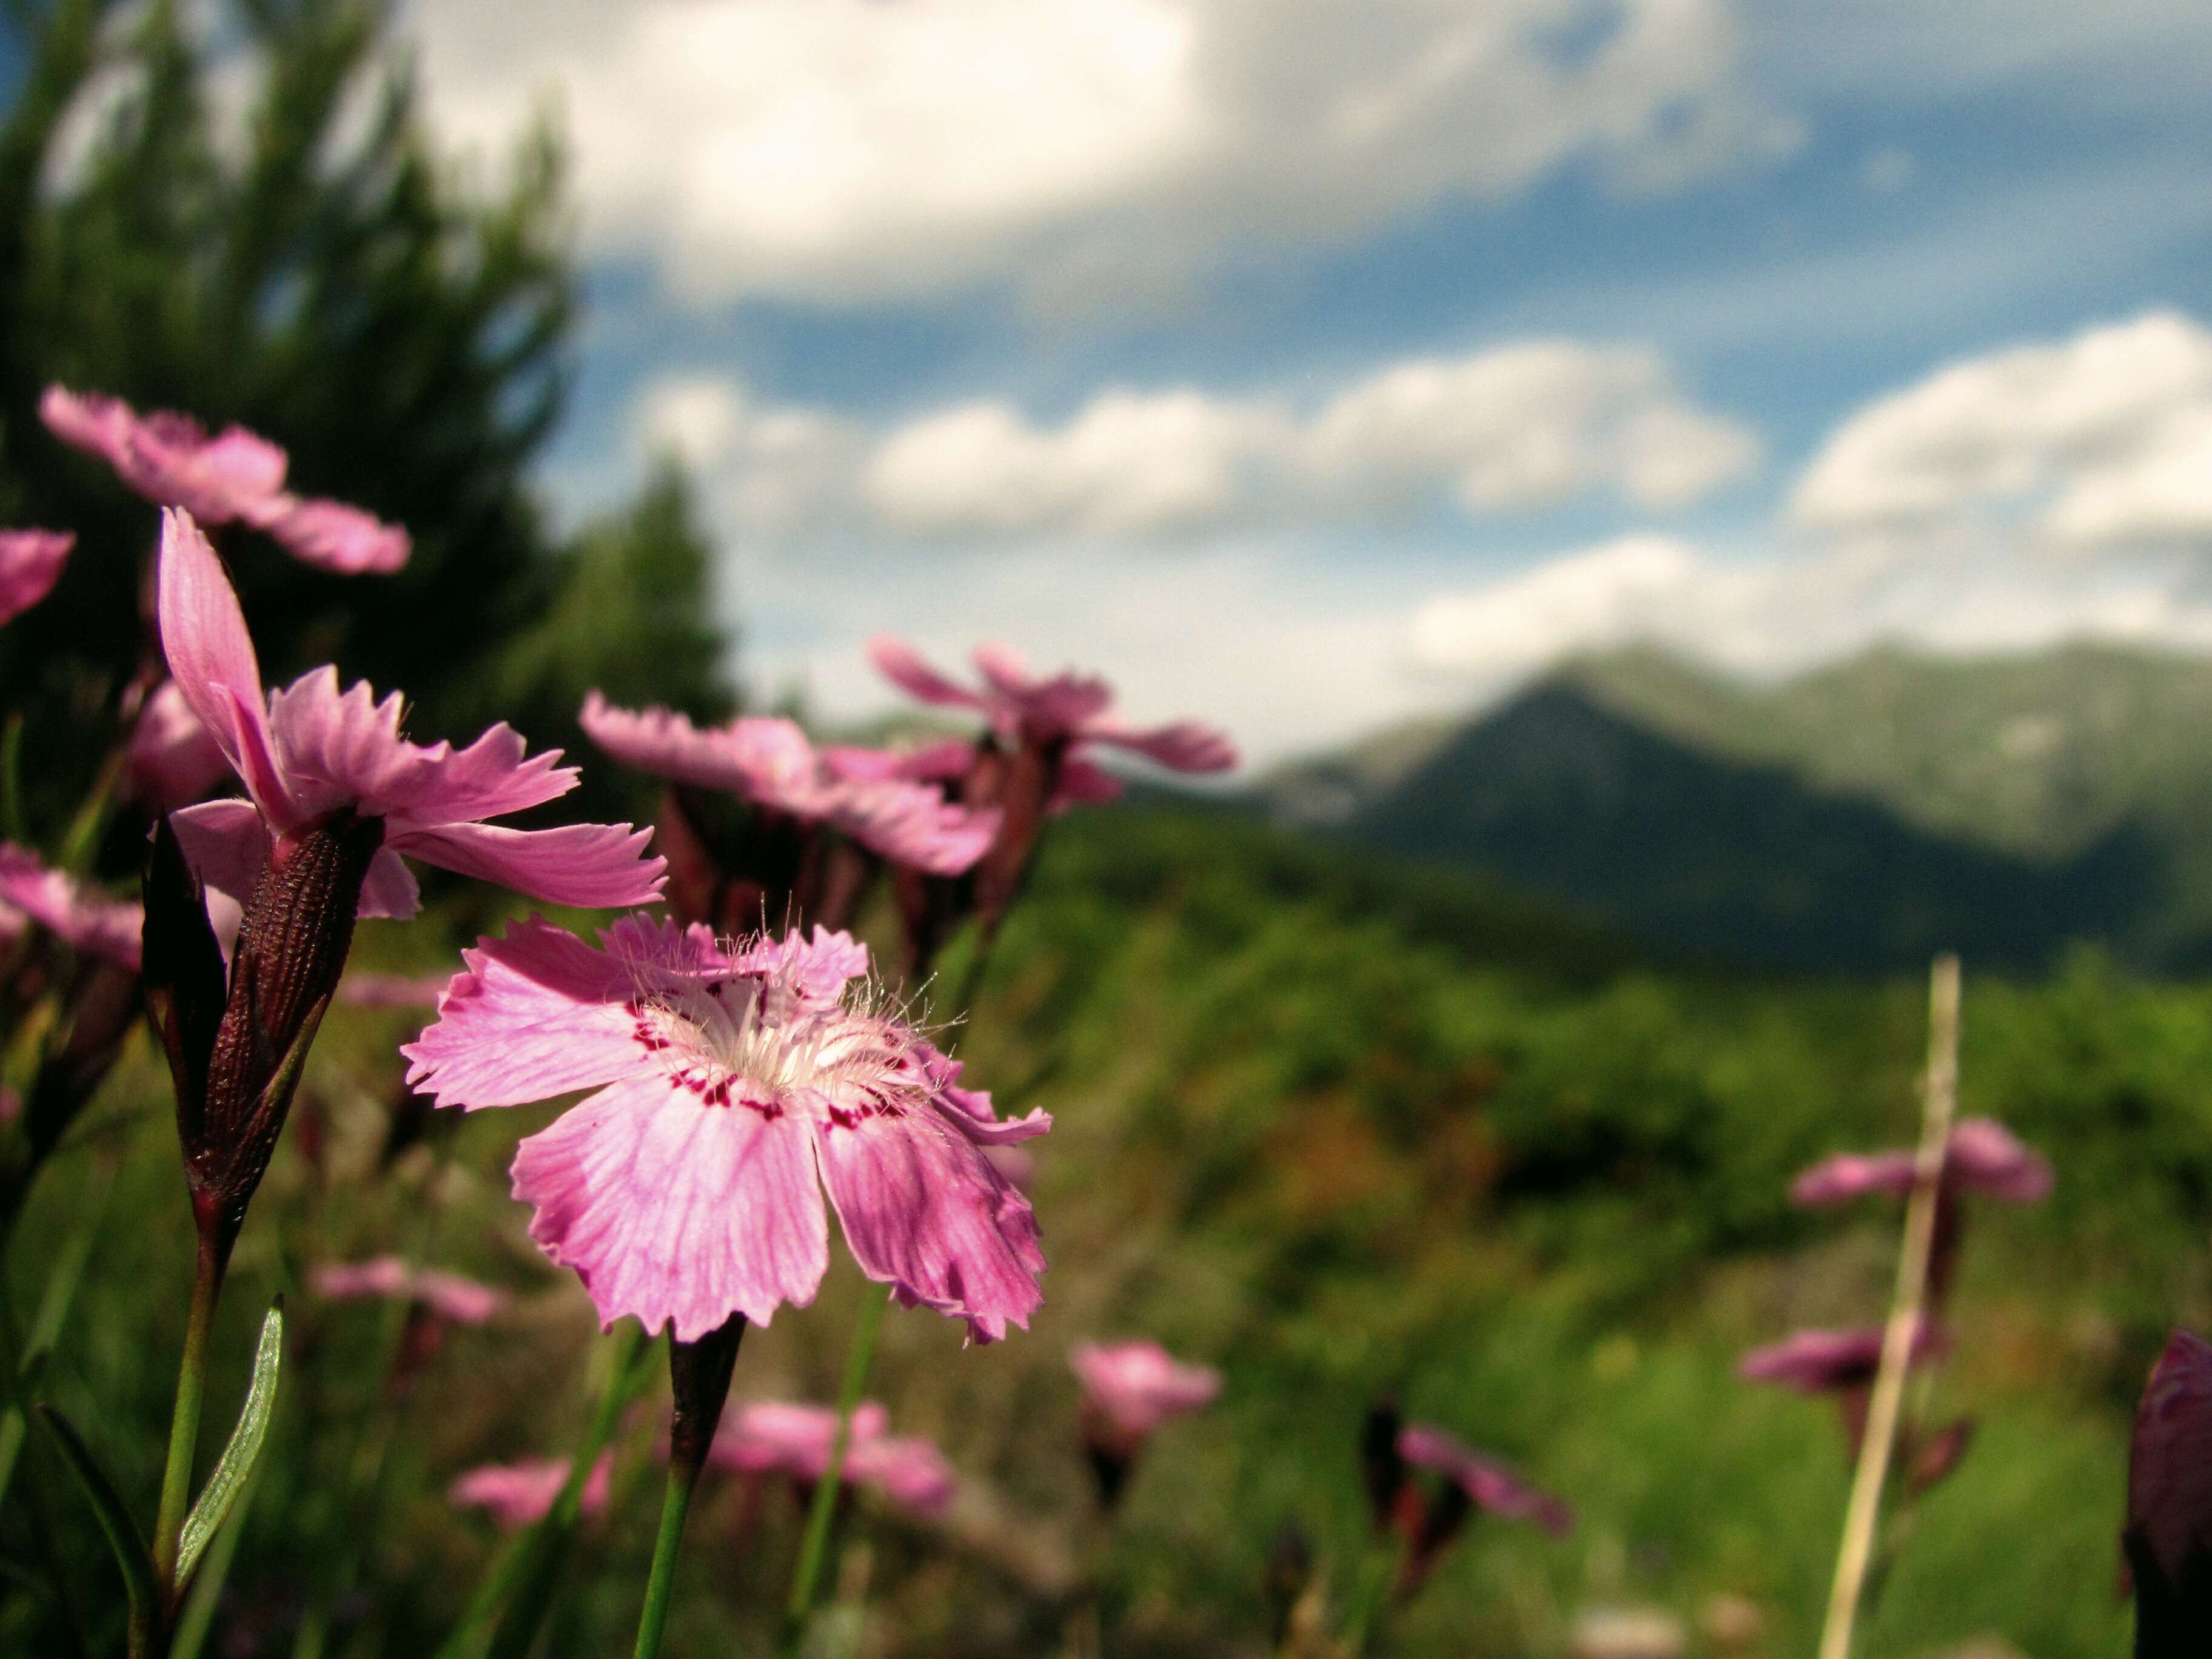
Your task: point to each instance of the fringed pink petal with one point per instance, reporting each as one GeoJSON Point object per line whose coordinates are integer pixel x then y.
{"type": "Point", "coordinates": [334, 537]}
{"type": "Point", "coordinates": [674, 1211]}
{"type": "Point", "coordinates": [390, 893]}
{"type": "Point", "coordinates": [819, 966]}
{"type": "Point", "coordinates": [924, 1212]}
{"type": "Point", "coordinates": [592, 865]}
{"type": "Point", "coordinates": [535, 1013]}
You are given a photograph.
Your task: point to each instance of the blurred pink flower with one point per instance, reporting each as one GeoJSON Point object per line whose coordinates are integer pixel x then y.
{"type": "Point", "coordinates": [1983, 1157]}
{"type": "Point", "coordinates": [63, 906]}
{"type": "Point", "coordinates": [1138, 1386]}
{"type": "Point", "coordinates": [234, 477]}
{"type": "Point", "coordinates": [518, 1495]}
{"type": "Point", "coordinates": [2168, 1539]}
{"type": "Point", "coordinates": [950, 761]}
{"type": "Point", "coordinates": [1060, 711]}
{"type": "Point", "coordinates": [1491, 1484]}
{"type": "Point", "coordinates": [770, 1436]}
{"type": "Point", "coordinates": [309, 752]}
{"type": "Point", "coordinates": [450, 1296]}
{"type": "Point", "coordinates": [174, 759]}
{"type": "Point", "coordinates": [733, 1087]}
{"type": "Point", "coordinates": [771, 764]}
{"type": "Point", "coordinates": [30, 564]}
{"type": "Point", "coordinates": [366, 990]}
{"type": "Point", "coordinates": [1828, 1362]}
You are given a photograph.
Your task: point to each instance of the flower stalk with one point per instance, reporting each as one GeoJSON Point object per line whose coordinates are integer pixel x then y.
{"type": "Point", "coordinates": [1864, 1516]}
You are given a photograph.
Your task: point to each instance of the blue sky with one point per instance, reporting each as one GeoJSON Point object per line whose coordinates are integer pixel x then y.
{"type": "Point", "coordinates": [1309, 365]}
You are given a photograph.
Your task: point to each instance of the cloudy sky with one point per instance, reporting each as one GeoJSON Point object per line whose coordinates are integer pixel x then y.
{"type": "Point", "coordinates": [1310, 363]}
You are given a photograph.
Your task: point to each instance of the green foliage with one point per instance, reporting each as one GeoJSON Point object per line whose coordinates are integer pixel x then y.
{"type": "Point", "coordinates": [1340, 1132]}
{"type": "Point", "coordinates": [304, 263]}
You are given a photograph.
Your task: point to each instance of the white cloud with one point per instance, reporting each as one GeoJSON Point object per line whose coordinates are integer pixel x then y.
{"type": "Point", "coordinates": [1522, 426]}
{"type": "Point", "coordinates": [2103, 442]}
{"type": "Point", "coordinates": [850, 149]}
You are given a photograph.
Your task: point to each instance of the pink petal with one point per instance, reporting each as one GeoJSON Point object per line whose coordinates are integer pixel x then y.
{"type": "Point", "coordinates": [211, 656]}
{"type": "Point", "coordinates": [174, 759]}
{"type": "Point", "coordinates": [763, 760]}
{"type": "Point", "coordinates": [30, 564]}
{"type": "Point", "coordinates": [367, 990]}
{"type": "Point", "coordinates": [1494, 1485]}
{"type": "Point", "coordinates": [1048, 707]}
{"type": "Point", "coordinates": [910, 1471]}
{"type": "Point", "coordinates": [818, 967]}
{"type": "Point", "coordinates": [333, 536]}
{"type": "Point", "coordinates": [79, 918]}
{"type": "Point", "coordinates": [1139, 1385]}
{"type": "Point", "coordinates": [970, 1110]}
{"type": "Point", "coordinates": [903, 667]}
{"type": "Point", "coordinates": [912, 824]}
{"type": "Point", "coordinates": [1819, 1362]}
{"type": "Point", "coordinates": [535, 1013]}
{"type": "Point", "coordinates": [88, 421]}
{"type": "Point", "coordinates": [783, 1436]}
{"type": "Point", "coordinates": [1085, 783]}
{"type": "Point", "coordinates": [518, 1495]}
{"type": "Point", "coordinates": [592, 865]}
{"type": "Point", "coordinates": [349, 1281]}
{"type": "Point", "coordinates": [390, 892]}
{"type": "Point", "coordinates": [1985, 1156]}
{"type": "Point", "coordinates": [674, 1211]}
{"type": "Point", "coordinates": [226, 843]}
{"type": "Point", "coordinates": [924, 1212]}
{"type": "Point", "coordinates": [456, 1297]}
{"type": "Point", "coordinates": [1183, 746]}
{"type": "Point", "coordinates": [1848, 1176]}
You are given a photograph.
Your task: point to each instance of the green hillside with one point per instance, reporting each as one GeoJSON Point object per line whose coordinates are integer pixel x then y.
{"type": "Point", "coordinates": [1858, 817]}
{"type": "Point", "coordinates": [1340, 1132]}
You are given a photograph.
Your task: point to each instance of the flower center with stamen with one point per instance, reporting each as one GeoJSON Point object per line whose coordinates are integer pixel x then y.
{"type": "Point", "coordinates": [758, 1043]}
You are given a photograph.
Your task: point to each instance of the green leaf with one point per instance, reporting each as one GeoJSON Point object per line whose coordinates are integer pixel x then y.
{"type": "Point", "coordinates": [237, 1461]}
{"type": "Point", "coordinates": [122, 1535]}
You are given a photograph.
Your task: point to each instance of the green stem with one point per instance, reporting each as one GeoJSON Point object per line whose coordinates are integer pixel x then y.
{"type": "Point", "coordinates": [1376, 1574]}
{"type": "Point", "coordinates": [807, 1575]}
{"type": "Point", "coordinates": [682, 1480]}
{"type": "Point", "coordinates": [184, 1421]}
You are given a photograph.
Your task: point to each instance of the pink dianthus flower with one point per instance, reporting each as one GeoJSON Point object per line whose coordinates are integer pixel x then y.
{"type": "Point", "coordinates": [518, 1495]}
{"type": "Point", "coordinates": [452, 1297]}
{"type": "Point", "coordinates": [235, 477]}
{"type": "Point", "coordinates": [783, 1437]}
{"type": "Point", "coordinates": [80, 917]}
{"type": "Point", "coordinates": [309, 753]}
{"type": "Point", "coordinates": [1138, 1386]}
{"type": "Point", "coordinates": [1983, 1157]}
{"type": "Point", "coordinates": [733, 1086]}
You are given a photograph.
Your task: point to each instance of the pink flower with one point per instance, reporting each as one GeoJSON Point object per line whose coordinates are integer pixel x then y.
{"type": "Point", "coordinates": [174, 759]}
{"type": "Point", "coordinates": [393, 990]}
{"type": "Point", "coordinates": [73, 913]}
{"type": "Point", "coordinates": [518, 1495]}
{"type": "Point", "coordinates": [30, 564]}
{"type": "Point", "coordinates": [450, 1296]}
{"type": "Point", "coordinates": [1829, 1362]}
{"type": "Point", "coordinates": [234, 477]}
{"type": "Point", "coordinates": [1138, 1386]}
{"type": "Point", "coordinates": [1060, 711]}
{"type": "Point", "coordinates": [731, 1088]}
{"type": "Point", "coordinates": [950, 762]}
{"type": "Point", "coordinates": [1491, 1484]}
{"type": "Point", "coordinates": [770, 763]}
{"type": "Point", "coordinates": [1983, 1157]}
{"type": "Point", "coordinates": [772, 1437]}
{"type": "Point", "coordinates": [308, 753]}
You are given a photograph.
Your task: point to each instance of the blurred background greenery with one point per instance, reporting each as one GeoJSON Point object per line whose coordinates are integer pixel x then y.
{"type": "Point", "coordinates": [1333, 1113]}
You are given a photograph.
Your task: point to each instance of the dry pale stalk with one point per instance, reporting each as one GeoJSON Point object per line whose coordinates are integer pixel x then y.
{"type": "Point", "coordinates": [1940, 1095]}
